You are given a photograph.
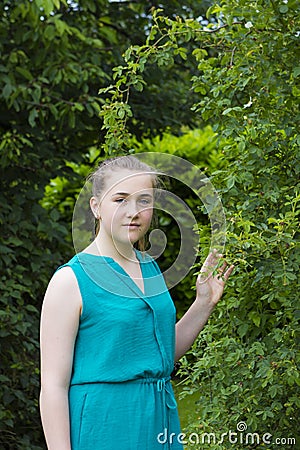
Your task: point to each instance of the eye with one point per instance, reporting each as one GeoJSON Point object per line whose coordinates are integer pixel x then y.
{"type": "Point", "coordinates": [120, 200]}
{"type": "Point", "coordinates": [145, 201]}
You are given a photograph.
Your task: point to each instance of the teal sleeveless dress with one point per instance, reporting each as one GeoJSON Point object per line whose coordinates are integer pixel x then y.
{"type": "Point", "coordinates": [120, 395]}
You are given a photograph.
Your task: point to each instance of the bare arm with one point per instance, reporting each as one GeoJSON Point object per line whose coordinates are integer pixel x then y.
{"type": "Point", "coordinates": [210, 288]}
{"type": "Point", "coordinates": [59, 325]}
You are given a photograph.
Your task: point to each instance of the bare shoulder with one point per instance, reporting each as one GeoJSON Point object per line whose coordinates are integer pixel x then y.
{"type": "Point", "coordinates": [64, 277]}
{"type": "Point", "coordinates": [63, 290]}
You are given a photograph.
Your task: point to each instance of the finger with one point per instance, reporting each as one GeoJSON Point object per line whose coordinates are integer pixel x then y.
{"type": "Point", "coordinates": [214, 256]}
{"type": "Point", "coordinates": [228, 272]}
{"type": "Point", "coordinates": [220, 275]}
{"type": "Point", "coordinates": [223, 267]}
{"type": "Point", "coordinates": [223, 273]}
{"type": "Point", "coordinates": [210, 267]}
{"type": "Point", "coordinates": [211, 261]}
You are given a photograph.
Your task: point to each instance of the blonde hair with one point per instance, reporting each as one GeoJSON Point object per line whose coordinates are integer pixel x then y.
{"type": "Point", "coordinates": [128, 162]}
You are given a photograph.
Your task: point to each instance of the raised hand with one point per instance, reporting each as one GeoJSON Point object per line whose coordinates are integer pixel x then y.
{"type": "Point", "coordinates": [212, 279]}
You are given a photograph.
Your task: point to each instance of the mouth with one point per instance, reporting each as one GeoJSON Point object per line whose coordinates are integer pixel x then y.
{"type": "Point", "coordinates": [132, 225]}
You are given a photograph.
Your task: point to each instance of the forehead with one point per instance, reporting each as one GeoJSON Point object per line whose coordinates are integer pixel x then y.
{"type": "Point", "coordinates": [128, 181]}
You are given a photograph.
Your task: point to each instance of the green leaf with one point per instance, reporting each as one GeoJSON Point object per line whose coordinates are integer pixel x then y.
{"type": "Point", "coordinates": [15, 241]}
{"type": "Point", "coordinates": [54, 215]}
{"type": "Point", "coordinates": [60, 26]}
{"type": "Point", "coordinates": [50, 33]}
{"type": "Point", "coordinates": [215, 9]}
{"type": "Point", "coordinates": [273, 391]}
{"type": "Point", "coordinates": [56, 3]}
{"type": "Point", "coordinates": [32, 117]}
{"type": "Point", "coordinates": [283, 9]}
{"type": "Point", "coordinates": [243, 329]}
{"type": "Point", "coordinates": [24, 72]}
{"type": "Point", "coordinates": [46, 5]}
{"type": "Point", "coordinates": [230, 181]}
{"type": "Point", "coordinates": [255, 317]}
{"type": "Point", "coordinates": [71, 119]}
{"type": "Point", "coordinates": [31, 308]}
{"type": "Point", "coordinates": [7, 90]}
{"type": "Point", "coordinates": [296, 71]}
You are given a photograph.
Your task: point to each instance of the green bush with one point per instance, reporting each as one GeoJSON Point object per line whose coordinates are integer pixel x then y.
{"type": "Point", "coordinates": [245, 365]}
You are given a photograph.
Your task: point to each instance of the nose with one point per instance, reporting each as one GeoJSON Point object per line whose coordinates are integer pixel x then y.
{"type": "Point", "coordinates": [132, 209]}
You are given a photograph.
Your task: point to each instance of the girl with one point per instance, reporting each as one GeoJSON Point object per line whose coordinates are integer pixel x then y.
{"type": "Point", "coordinates": [108, 334]}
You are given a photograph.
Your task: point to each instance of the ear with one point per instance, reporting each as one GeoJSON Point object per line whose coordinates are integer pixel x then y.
{"type": "Point", "coordinates": [95, 207]}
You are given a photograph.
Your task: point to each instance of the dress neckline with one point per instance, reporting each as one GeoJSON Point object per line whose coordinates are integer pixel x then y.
{"type": "Point", "coordinates": [111, 260]}
{"type": "Point", "coordinates": [138, 255]}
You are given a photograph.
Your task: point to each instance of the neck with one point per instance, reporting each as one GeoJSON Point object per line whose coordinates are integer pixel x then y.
{"type": "Point", "coordinates": [119, 251]}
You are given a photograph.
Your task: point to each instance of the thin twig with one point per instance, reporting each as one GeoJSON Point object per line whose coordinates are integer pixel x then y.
{"type": "Point", "coordinates": [232, 56]}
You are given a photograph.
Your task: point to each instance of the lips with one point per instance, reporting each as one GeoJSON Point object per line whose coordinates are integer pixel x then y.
{"type": "Point", "coordinates": [132, 225]}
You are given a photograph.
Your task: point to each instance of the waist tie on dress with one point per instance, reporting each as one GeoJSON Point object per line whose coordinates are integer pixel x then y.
{"type": "Point", "coordinates": [168, 399]}
{"type": "Point", "coordinates": [164, 387]}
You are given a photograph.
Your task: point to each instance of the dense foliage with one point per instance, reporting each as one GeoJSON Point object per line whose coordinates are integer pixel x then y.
{"type": "Point", "coordinates": [239, 71]}
{"type": "Point", "coordinates": [55, 55]}
{"type": "Point", "coordinates": [245, 366]}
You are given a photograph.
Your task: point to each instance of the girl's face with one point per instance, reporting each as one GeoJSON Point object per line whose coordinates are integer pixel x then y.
{"type": "Point", "coordinates": [126, 206]}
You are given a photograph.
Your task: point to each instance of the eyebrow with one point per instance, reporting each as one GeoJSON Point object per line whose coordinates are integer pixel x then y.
{"type": "Point", "coordinates": [126, 194]}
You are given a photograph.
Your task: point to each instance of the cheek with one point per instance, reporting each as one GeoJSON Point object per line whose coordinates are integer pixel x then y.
{"type": "Point", "coordinates": [116, 213]}
{"type": "Point", "coordinates": [147, 215]}
{"type": "Point", "coordinates": [111, 219]}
